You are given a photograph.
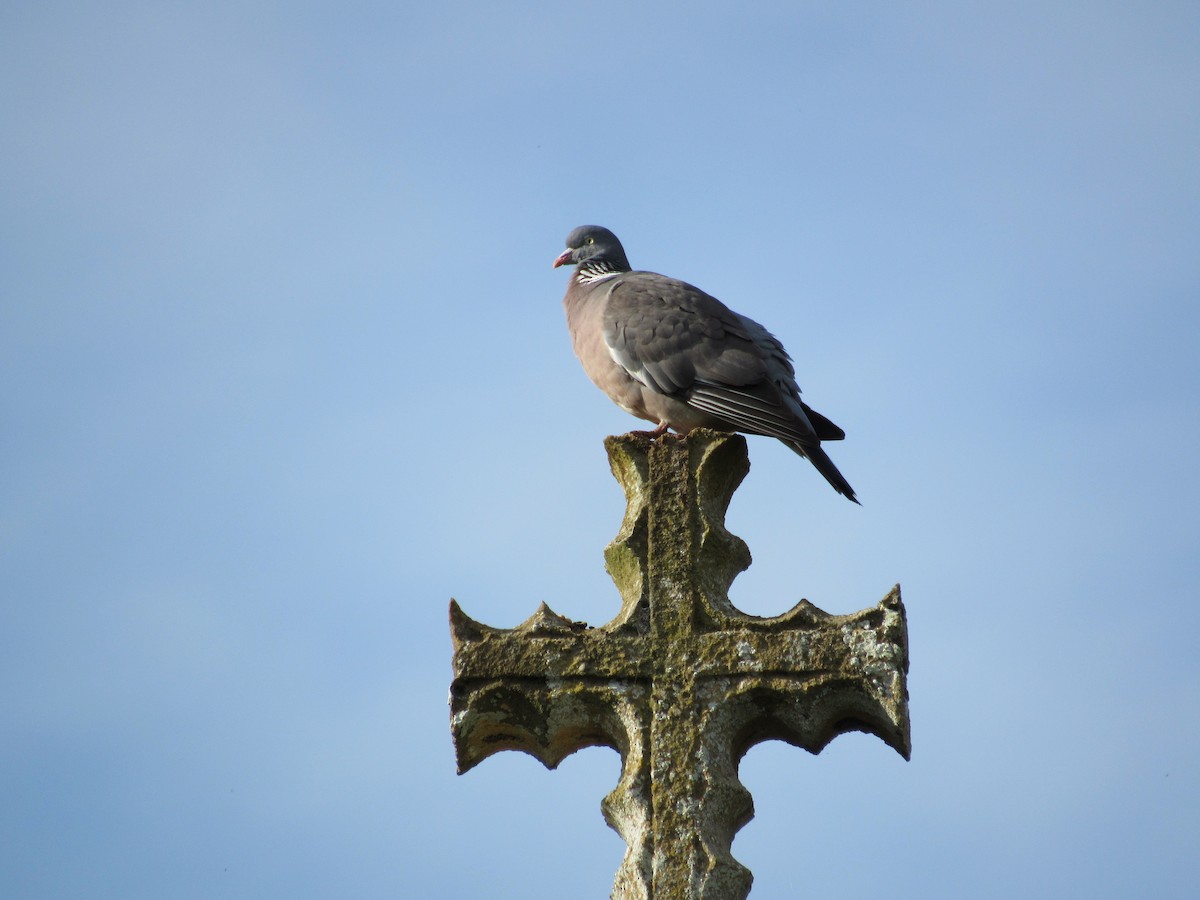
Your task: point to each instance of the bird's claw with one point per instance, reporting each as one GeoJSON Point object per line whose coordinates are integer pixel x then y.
{"type": "Point", "coordinates": [653, 435]}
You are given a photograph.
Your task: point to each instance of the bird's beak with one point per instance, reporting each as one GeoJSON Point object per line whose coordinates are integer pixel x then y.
{"type": "Point", "coordinates": [563, 259]}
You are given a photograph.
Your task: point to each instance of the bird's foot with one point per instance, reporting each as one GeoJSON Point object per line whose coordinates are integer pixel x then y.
{"type": "Point", "coordinates": [655, 434]}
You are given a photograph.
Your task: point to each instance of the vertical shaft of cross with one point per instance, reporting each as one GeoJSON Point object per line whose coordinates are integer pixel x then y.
{"type": "Point", "coordinates": [676, 783]}
{"type": "Point", "coordinates": [671, 539]}
{"type": "Point", "coordinates": [684, 801]}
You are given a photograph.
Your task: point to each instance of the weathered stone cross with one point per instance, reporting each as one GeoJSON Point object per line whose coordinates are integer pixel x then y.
{"type": "Point", "coordinates": [680, 683]}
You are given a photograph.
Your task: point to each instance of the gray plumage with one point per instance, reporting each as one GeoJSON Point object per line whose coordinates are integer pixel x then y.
{"type": "Point", "coordinates": [669, 353]}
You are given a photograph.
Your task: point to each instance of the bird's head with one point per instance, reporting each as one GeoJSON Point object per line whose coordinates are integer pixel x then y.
{"type": "Point", "coordinates": [594, 244]}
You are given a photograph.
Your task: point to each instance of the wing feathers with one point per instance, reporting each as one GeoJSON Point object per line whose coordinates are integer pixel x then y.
{"type": "Point", "coordinates": [749, 412]}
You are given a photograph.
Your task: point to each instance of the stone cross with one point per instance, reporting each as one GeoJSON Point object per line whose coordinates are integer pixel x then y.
{"type": "Point", "coordinates": [680, 683]}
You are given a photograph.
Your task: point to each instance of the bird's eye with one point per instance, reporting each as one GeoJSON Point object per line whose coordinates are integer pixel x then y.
{"type": "Point", "coordinates": [591, 240]}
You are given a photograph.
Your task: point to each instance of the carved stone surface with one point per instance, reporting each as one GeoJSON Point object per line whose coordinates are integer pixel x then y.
{"type": "Point", "coordinates": [680, 683]}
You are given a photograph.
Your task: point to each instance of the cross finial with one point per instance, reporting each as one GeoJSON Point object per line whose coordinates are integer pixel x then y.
{"type": "Point", "coordinates": [680, 682]}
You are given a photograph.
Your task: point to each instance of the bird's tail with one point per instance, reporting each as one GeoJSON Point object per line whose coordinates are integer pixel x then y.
{"type": "Point", "coordinates": [820, 459]}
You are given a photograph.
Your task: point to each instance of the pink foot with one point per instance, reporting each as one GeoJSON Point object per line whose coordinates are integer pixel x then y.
{"type": "Point", "coordinates": [655, 434]}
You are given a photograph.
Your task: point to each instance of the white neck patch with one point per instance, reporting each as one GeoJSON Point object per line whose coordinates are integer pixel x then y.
{"type": "Point", "coordinates": [591, 272]}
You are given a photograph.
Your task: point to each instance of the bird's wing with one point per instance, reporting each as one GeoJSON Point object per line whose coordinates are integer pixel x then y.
{"type": "Point", "coordinates": [681, 342]}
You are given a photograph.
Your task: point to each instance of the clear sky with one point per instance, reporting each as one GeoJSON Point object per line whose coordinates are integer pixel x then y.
{"type": "Point", "coordinates": [283, 368]}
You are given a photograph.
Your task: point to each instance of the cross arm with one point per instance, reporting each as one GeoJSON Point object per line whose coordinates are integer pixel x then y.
{"type": "Point", "coordinates": [548, 687]}
{"type": "Point", "coordinates": [807, 676]}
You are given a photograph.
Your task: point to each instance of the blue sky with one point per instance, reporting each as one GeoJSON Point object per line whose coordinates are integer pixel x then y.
{"type": "Point", "coordinates": [283, 368]}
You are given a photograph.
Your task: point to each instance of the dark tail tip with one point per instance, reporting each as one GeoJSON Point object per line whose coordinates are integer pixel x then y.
{"type": "Point", "coordinates": [823, 464]}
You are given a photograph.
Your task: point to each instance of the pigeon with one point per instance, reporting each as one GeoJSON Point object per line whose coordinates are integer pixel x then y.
{"type": "Point", "coordinates": [671, 354]}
